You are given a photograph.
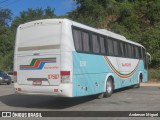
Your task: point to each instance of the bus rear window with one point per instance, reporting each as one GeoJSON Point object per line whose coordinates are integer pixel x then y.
{"type": "Point", "coordinates": [39, 37]}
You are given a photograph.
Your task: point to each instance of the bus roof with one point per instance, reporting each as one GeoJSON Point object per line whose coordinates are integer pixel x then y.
{"type": "Point", "coordinates": [100, 31]}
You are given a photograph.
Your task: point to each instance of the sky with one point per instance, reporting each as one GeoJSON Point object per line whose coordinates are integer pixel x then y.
{"type": "Point", "coordinates": [17, 6]}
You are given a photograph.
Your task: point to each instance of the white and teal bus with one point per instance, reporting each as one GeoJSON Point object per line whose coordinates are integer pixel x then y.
{"type": "Point", "coordinates": [64, 58]}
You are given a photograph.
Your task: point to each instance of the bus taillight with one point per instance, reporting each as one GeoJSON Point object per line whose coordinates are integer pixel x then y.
{"type": "Point", "coordinates": [15, 76]}
{"type": "Point", "coordinates": [65, 76]}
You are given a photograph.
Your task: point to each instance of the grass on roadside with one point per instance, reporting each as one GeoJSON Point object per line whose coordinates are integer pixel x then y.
{"type": "Point", "coordinates": [154, 75]}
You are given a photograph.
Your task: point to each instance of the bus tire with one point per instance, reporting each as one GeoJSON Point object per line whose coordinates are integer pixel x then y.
{"type": "Point", "coordinates": [109, 87]}
{"type": "Point", "coordinates": [140, 80]}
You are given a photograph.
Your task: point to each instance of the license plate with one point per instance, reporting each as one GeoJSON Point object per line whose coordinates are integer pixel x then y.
{"type": "Point", "coordinates": [37, 82]}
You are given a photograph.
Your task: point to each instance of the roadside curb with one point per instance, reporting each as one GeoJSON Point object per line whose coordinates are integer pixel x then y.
{"type": "Point", "coordinates": [150, 84]}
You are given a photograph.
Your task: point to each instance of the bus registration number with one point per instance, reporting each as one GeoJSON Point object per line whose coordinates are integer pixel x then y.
{"type": "Point", "coordinates": [37, 82]}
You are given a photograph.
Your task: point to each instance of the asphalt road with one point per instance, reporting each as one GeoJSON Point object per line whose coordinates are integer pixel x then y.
{"type": "Point", "coordinates": [145, 98]}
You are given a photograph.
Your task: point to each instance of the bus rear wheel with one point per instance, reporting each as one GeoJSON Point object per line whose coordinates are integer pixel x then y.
{"type": "Point", "coordinates": [140, 80]}
{"type": "Point", "coordinates": [109, 87]}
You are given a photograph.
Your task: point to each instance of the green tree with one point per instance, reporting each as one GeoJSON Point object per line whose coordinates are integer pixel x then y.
{"type": "Point", "coordinates": [151, 39]}
{"type": "Point", "coordinates": [95, 13]}
{"type": "Point", "coordinates": [32, 14]}
{"type": "Point", "coordinates": [5, 17]}
{"type": "Point", "coordinates": [6, 40]}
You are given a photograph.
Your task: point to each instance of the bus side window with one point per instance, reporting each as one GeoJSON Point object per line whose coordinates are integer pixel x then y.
{"type": "Point", "coordinates": [115, 47]}
{"type": "Point", "coordinates": [110, 47]}
{"type": "Point", "coordinates": [85, 42]}
{"type": "Point", "coordinates": [133, 51]}
{"type": "Point", "coordinates": [95, 44]}
{"type": "Point", "coordinates": [140, 52]}
{"type": "Point", "coordinates": [129, 51]}
{"type": "Point", "coordinates": [102, 45]}
{"type": "Point", "coordinates": [137, 52]}
{"type": "Point", "coordinates": [126, 49]}
{"type": "Point", "coordinates": [122, 49]}
{"type": "Point", "coordinates": [77, 39]}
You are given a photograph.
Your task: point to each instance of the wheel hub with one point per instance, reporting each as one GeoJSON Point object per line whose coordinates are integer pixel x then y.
{"type": "Point", "coordinates": [109, 86]}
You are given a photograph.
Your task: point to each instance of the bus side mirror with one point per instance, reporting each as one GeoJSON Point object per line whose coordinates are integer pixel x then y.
{"type": "Point", "coordinates": [149, 57]}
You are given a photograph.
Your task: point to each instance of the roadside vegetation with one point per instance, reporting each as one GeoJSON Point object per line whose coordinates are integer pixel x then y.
{"type": "Point", "coordinates": [154, 75]}
{"type": "Point", "coordinates": [137, 20]}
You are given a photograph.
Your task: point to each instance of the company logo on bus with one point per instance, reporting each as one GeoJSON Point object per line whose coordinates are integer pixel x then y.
{"type": "Point", "coordinates": [37, 63]}
{"type": "Point", "coordinates": [52, 67]}
{"type": "Point", "coordinates": [126, 64]}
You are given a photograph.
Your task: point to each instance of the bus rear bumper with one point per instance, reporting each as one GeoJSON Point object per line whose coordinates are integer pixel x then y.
{"type": "Point", "coordinates": [64, 90]}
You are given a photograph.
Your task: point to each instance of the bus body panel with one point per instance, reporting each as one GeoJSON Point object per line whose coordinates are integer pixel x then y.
{"type": "Point", "coordinates": [90, 72]}
{"type": "Point", "coordinates": [43, 67]}
{"type": "Point", "coordinates": [67, 46]}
